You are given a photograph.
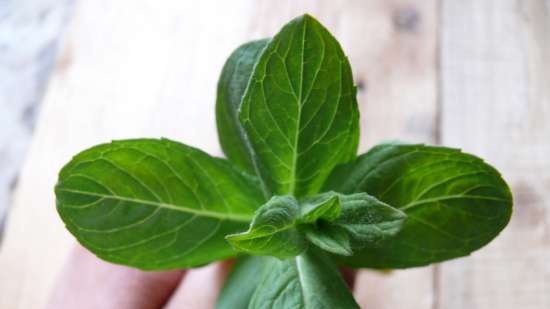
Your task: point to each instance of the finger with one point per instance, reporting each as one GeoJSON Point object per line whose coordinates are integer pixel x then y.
{"type": "Point", "coordinates": [200, 287]}
{"type": "Point", "coordinates": [87, 282]}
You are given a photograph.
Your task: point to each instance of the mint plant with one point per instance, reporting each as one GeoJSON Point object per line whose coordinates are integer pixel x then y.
{"type": "Point", "coordinates": [292, 200]}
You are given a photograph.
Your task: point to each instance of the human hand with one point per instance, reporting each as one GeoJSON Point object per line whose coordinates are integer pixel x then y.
{"type": "Point", "coordinates": [90, 283]}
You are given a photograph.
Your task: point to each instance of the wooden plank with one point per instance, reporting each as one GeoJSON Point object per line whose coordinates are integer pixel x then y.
{"type": "Point", "coordinates": [392, 48]}
{"type": "Point", "coordinates": [141, 69]}
{"type": "Point", "coordinates": [495, 62]}
{"type": "Point", "coordinates": [25, 65]}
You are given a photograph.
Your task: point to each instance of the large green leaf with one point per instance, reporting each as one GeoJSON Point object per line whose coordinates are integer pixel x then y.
{"type": "Point", "coordinates": [273, 230]}
{"type": "Point", "coordinates": [242, 282]}
{"type": "Point", "coordinates": [299, 109]}
{"type": "Point", "coordinates": [231, 86]}
{"type": "Point", "coordinates": [455, 203]}
{"type": "Point", "coordinates": [154, 204]}
{"type": "Point", "coordinates": [308, 281]}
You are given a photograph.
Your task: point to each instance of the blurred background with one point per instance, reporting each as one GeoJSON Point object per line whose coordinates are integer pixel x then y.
{"type": "Point", "coordinates": [473, 74]}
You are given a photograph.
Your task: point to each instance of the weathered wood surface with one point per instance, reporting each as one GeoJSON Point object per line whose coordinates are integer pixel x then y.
{"type": "Point", "coordinates": [479, 86]}
{"type": "Point", "coordinates": [495, 72]}
{"type": "Point", "coordinates": [29, 35]}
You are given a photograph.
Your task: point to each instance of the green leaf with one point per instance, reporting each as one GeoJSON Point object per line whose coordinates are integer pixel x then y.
{"type": "Point", "coordinates": [324, 206]}
{"type": "Point", "coordinates": [242, 282]}
{"type": "Point", "coordinates": [273, 230]}
{"type": "Point", "coordinates": [362, 222]}
{"type": "Point", "coordinates": [334, 222]}
{"type": "Point", "coordinates": [154, 204]}
{"type": "Point", "coordinates": [368, 221]}
{"type": "Point", "coordinates": [455, 203]}
{"type": "Point", "coordinates": [308, 281]}
{"type": "Point", "coordinates": [330, 238]}
{"type": "Point", "coordinates": [299, 109]}
{"type": "Point", "coordinates": [231, 86]}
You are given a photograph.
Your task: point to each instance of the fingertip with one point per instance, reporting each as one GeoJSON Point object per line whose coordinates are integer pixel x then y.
{"type": "Point", "coordinates": [88, 282]}
{"type": "Point", "coordinates": [201, 286]}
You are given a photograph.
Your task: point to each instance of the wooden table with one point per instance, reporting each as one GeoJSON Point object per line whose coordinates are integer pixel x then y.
{"type": "Point", "coordinates": [465, 73]}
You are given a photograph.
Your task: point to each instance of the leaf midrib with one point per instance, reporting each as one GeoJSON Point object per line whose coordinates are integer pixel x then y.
{"type": "Point", "coordinates": [302, 280]}
{"type": "Point", "coordinates": [198, 212]}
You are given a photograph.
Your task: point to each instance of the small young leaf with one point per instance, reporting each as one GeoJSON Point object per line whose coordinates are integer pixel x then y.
{"type": "Point", "coordinates": [308, 281]}
{"type": "Point", "coordinates": [242, 282]}
{"type": "Point", "coordinates": [299, 110]}
{"type": "Point", "coordinates": [455, 203]}
{"type": "Point", "coordinates": [363, 221]}
{"type": "Point", "coordinates": [231, 86]}
{"type": "Point", "coordinates": [273, 230]}
{"type": "Point", "coordinates": [324, 206]}
{"type": "Point", "coordinates": [154, 204]}
{"type": "Point", "coordinates": [330, 238]}
{"type": "Point", "coordinates": [369, 222]}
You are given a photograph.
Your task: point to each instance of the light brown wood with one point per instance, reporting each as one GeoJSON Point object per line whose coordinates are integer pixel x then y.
{"type": "Point", "coordinates": [392, 48]}
{"type": "Point", "coordinates": [132, 69]}
{"type": "Point", "coordinates": [496, 103]}
{"type": "Point", "coordinates": [24, 66]}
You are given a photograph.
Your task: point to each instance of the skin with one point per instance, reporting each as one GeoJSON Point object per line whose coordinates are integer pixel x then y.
{"type": "Point", "coordinates": [87, 282]}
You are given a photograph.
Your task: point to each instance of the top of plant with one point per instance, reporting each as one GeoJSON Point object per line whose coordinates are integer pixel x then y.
{"type": "Point", "coordinates": [292, 186]}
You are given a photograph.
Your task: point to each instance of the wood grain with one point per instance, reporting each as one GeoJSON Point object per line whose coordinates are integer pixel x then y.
{"type": "Point", "coordinates": [495, 66]}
